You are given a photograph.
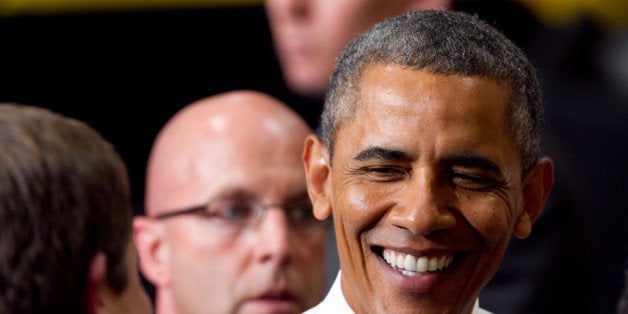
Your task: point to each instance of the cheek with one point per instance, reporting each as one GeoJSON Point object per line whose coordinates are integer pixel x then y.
{"type": "Point", "coordinates": [360, 207]}
{"type": "Point", "coordinates": [489, 216]}
{"type": "Point", "coordinates": [196, 252]}
{"type": "Point", "coordinates": [198, 246]}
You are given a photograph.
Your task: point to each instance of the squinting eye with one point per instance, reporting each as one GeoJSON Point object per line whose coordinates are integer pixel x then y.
{"type": "Point", "coordinates": [231, 211]}
{"type": "Point", "coordinates": [470, 182]}
{"type": "Point", "coordinates": [385, 174]}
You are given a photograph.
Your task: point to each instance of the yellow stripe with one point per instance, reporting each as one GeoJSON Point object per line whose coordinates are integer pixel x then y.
{"type": "Point", "coordinates": [38, 7]}
{"type": "Point", "coordinates": [610, 13]}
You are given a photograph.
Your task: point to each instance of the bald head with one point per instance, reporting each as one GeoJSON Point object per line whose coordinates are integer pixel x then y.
{"type": "Point", "coordinates": [231, 137]}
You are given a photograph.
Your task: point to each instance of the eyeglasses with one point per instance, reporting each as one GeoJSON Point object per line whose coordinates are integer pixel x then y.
{"type": "Point", "coordinates": [239, 213]}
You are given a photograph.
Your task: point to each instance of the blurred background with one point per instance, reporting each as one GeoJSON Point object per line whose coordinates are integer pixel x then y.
{"type": "Point", "coordinates": [126, 66]}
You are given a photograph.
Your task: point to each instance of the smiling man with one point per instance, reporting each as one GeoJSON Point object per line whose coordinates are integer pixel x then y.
{"type": "Point", "coordinates": [428, 163]}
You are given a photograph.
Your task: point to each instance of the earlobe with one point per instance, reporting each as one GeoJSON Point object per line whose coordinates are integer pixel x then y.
{"type": "Point", "coordinates": [523, 226]}
{"type": "Point", "coordinates": [96, 277]}
{"type": "Point", "coordinates": [151, 250]}
{"type": "Point", "coordinates": [318, 175]}
{"type": "Point", "coordinates": [537, 186]}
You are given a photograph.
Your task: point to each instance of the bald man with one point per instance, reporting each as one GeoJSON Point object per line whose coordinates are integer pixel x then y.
{"type": "Point", "coordinates": [229, 225]}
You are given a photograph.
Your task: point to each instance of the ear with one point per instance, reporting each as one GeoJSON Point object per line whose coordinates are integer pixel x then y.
{"type": "Point", "coordinates": [96, 276]}
{"type": "Point", "coordinates": [152, 250]}
{"type": "Point", "coordinates": [418, 5]}
{"type": "Point", "coordinates": [537, 186]}
{"type": "Point", "coordinates": [318, 176]}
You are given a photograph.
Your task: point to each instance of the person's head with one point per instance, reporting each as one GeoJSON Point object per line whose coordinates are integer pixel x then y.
{"type": "Point", "coordinates": [309, 35]}
{"type": "Point", "coordinates": [428, 160]}
{"type": "Point", "coordinates": [65, 216]}
{"type": "Point", "coordinates": [249, 242]}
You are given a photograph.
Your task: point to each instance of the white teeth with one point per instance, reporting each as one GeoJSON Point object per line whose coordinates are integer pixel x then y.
{"type": "Point", "coordinates": [400, 261]}
{"type": "Point", "coordinates": [410, 265]}
{"type": "Point", "coordinates": [421, 264]}
{"type": "Point", "coordinates": [433, 264]}
{"type": "Point", "coordinates": [441, 262]}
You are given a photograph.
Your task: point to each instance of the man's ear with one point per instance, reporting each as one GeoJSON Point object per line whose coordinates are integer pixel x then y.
{"type": "Point", "coordinates": [318, 176]}
{"type": "Point", "coordinates": [96, 277]}
{"type": "Point", "coordinates": [537, 186]}
{"type": "Point", "coordinates": [149, 238]}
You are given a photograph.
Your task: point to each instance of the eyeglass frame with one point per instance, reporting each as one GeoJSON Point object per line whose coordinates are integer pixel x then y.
{"type": "Point", "coordinates": [260, 212]}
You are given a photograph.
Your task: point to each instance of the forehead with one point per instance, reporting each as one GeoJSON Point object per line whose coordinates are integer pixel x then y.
{"type": "Point", "coordinates": [205, 166]}
{"type": "Point", "coordinates": [260, 168]}
{"type": "Point", "coordinates": [407, 107]}
{"type": "Point", "coordinates": [394, 87]}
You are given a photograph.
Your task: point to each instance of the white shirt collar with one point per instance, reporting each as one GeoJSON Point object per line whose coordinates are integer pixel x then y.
{"type": "Point", "coordinates": [335, 302]}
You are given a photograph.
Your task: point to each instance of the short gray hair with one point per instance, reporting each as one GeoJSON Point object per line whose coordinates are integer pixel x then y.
{"type": "Point", "coordinates": [441, 42]}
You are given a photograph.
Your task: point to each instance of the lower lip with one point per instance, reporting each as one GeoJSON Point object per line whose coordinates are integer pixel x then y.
{"type": "Point", "coordinates": [414, 284]}
{"type": "Point", "coordinates": [262, 305]}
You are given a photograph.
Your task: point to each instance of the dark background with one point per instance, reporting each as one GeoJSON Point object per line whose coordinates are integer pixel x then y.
{"type": "Point", "coordinates": [126, 73]}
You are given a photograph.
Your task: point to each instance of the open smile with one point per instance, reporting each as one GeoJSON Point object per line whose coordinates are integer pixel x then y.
{"type": "Point", "coordinates": [410, 265]}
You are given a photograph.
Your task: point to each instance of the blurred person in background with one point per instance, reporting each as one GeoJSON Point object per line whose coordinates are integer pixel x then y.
{"type": "Point", "coordinates": [309, 35]}
{"type": "Point", "coordinates": [229, 226]}
{"type": "Point", "coordinates": [65, 218]}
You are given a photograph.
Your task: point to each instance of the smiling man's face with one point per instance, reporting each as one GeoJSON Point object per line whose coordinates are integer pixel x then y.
{"type": "Point", "coordinates": [425, 190]}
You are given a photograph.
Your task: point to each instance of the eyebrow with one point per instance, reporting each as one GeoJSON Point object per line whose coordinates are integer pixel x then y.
{"type": "Point", "coordinates": [474, 161]}
{"type": "Point", "coordinates": [377, 152]}
{"type": "Point", "coordinates": [465, 160]}
{"type": "Point", "coordinates": [233, 192]}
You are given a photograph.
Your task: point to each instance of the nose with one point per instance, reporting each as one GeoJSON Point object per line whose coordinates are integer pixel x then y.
{"type": "Point", "coordinates": [273, 237]}
{"type": "Point", "coordinates": [424, 206]}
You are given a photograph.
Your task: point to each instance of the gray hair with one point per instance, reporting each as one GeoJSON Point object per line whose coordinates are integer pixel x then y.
{"type": "Point", "coordinates": [447, 43]}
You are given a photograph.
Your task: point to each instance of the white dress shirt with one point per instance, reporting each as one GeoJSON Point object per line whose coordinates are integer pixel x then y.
{"type": "Point", "coordinates": [335, 302]}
